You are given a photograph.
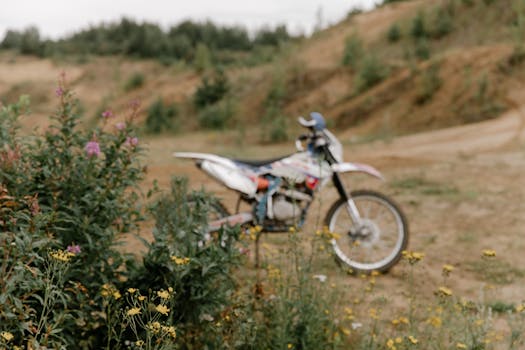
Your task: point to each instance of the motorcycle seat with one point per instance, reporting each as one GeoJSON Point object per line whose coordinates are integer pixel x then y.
{"type": "Point", "coordinates": [259, 162]}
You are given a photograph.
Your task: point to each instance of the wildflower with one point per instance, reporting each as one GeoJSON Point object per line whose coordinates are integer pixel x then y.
{"type": "Point", "coordinates": [447, 269]}
{"type": "Point", "coordinates": [7, 336]}
{"type": "Point", "coordinates": [74, 249]}
{"type": "Point", "coordinates": [131, 290]}
{"type": "Point", "coordinates": [390, 344]}
{"type": "Point", "coordinates": [290, 346]}
{"type": "Point", "coordinates": [133, 311]}
{"type": "Point", "coordinates": [170, 330]}
{"type": "Point", "coordinates": [292, 229]}
{"type": "Point", "coordinates": [461, 346]}
{"type": "Point", "coordinates": [489, 253]}
{"type": "Point", "coordinates": [120, 126]}
{"type": "Point", "coordinates": [132, 141]}
{"type": "Point", "coordinates": [139, 343]}
{"type": "Point", "coordinates": [59, 91]}
{"type": "Point", "coordinates": [403, 320]}
{"type": "Point", "coordinates": [413, 339]}
{"type": "Point", "coordinates": [92, 149]}
{"type": "Point", "coordinates": [116, 294]}
{"type": "Point", "coordinates": [107, 114]}
{"type": "Point", "coordinates": [163, 309]}
{"type": "Point", "coordinates": [444, 292]}
{"type": "Point", "coordinates": [163, 294]}
{"type": "Point", "coordinates": [141, 298]}
{"type": "Point", "coordinates": [412, 257]}
{"type": "Point", "coordinates": [180, 261]}
{"type": "Point", "coordinates": [435, 321]}
{"type": "Point", "coordinates": [61, 255]}
{"type": "Point", "coordinates": [373, 314]}
{"type": "Point", "coordinates": [154, 327]}
{"type": "Point", "coordinates": [520, 308]}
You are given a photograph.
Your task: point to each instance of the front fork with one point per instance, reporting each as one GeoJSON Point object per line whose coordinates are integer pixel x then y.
{"type": "Point", "coordinates": [351, 207]}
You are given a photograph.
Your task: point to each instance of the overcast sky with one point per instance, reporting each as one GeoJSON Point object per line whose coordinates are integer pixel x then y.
{"type": "Point", "coordinates": [57, 18]}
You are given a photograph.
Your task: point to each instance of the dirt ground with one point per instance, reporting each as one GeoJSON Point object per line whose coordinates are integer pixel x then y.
{"type": "Point", "coordinates": [462, 188]}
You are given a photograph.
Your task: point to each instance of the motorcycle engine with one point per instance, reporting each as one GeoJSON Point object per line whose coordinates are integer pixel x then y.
{"type": "Point", "coordinates": [284, 209]}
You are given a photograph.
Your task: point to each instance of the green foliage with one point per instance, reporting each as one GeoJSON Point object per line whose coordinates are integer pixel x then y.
{"type": "Point", "coordinates": [274, 128]}
{"type": "Point", "coordinates": [202, 60]}
{"type": "Point", "coordinates": [443, 23]}
{"type": "Point", "coordinates": [216, 116]}
{"type": "Point", "coordinates": [161, 117]}
{"type": "Point", "coordinates": [353, 51]}
{"type": "Point", "coordinates": [211, 91]}
{"type": "Point", "coordinates": [135, 81]}
{"type": "Point", "coordinates": [394, 33]}
{"type": "Point", "coordinates": [184, 41]}
{"type": "Point", "coordinates": [430, 84]}
{"type": "Point", "coordinates": [419, 27]}
{"type": "Point", "coordinates": [371, 72]}
{"type": "Point", "coordinates": [422, 49]}
{"type": "Point", "coordinates": [202, 280]}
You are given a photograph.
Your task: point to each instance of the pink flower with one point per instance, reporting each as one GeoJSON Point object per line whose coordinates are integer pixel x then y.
{"type": "Point", "coordinates": [120, 126]}
{"type": "Point", "coordinates": [132, 141]}
{"type": "Point", "coordinates": [92, 149]}
{"type": "Point", "coordinates": [107, 114]}
{"type": "Point", "coordinates": [59, 91]}
{"type": "Point", "coordinates": [75, 249]}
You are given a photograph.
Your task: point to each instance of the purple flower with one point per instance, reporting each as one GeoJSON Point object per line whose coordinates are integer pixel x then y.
{"type": "Point", "coordinates": [75, 249]}
{"type": "Point", "coordinates": [132, 141]}
{"type": "Point", "coordinates": [92, 149]}
{"type": "Point", "coordinates": [107, 114]}
{"type": "Point", "coordinates": [59, 91]}
{"type": "Point", "coordinates": [120, 126]}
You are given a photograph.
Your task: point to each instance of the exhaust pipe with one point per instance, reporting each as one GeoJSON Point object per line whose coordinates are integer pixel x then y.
{"type": "Point", "coordinates": [232, 220]}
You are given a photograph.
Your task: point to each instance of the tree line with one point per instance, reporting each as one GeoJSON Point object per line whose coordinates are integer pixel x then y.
{"type": "Point", "coordinates": [146, 40]}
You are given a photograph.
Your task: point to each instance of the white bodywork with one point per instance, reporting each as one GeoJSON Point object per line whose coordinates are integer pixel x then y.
{"type": "Point", "coordinates": [224, 170]}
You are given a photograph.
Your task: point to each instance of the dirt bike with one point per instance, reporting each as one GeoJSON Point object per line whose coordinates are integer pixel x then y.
{"type": "Point", "coordinates": [370, 230]}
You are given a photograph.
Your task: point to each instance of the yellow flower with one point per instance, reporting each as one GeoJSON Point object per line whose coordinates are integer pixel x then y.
{"type": "Point", "coordinates": [520, 308]}
{"type": "Point", "coordinates": [461, 346]}
{"type": "Point", "coordinates": [7, 336]}
{"type": "Point", "coordinates": [163, 294]}
{"type": "Point", "coordinates": [403, 320]}
{"type": "Point", "coordinates": [163, 309]}
{"type": "Point", "coordinates": [395, 322]}
{"type": "Point", "coordinates": [141, 298]}
{"type": "Point", "coordinates": [61, 255]}
{"type": "Point", "coordinates": [116, 295]}
{"type": "Point", "coordinates": [180, 261]}
{"type": "Point", "coordinates": [290, 346]}
{"type": "Point", "coordinates": [490, 253]}
{"type": "Point", "coordinates": [373, 314]}
{"type": "Point", "coordinates": [412, 257]}
{"type": "Point", "coordinates": [139, 343]}
{"type": "Point", "coordinates": [292, 229]}
{"type": "Point", "coordinates": [398, 340]}
{"type": "Point", "coordinates": [170, 330]}
{"type": "Point", "coordinates": [170, 289]}
{"type": "Point", "coordinates": [131, 290]}
{"type": "Point", "coordinates": [412, 339]}
{"type": "Point", "coordinates": [435, 321]}
{"type": "Point", "coordinates": [447, 269]}
{"type": "Point", "coordinates": [444, 292]}
{"type": "Point", "coordinates": [390, 344]}
{"type": "Point", "coordinates": [133, 311]}
{"type": "Point", "coordinates": [154, 327]}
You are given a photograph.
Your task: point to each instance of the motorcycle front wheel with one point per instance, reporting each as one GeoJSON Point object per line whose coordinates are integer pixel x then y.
{"type": "Point", "coordinates": [377, 241]}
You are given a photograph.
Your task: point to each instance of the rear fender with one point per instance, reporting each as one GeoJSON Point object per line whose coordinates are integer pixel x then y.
{"type": "Point", "coordinates": [357, 168]}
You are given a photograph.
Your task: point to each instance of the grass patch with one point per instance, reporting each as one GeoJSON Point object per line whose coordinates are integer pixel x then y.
{"type": "Point", "coordinates": [495, 271]}
{"type": "Point", "coordinates": [425, 186]}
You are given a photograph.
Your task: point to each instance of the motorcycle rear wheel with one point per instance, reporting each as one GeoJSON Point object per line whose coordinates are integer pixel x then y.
{"type": "Point", "coordinates": [378, 242]}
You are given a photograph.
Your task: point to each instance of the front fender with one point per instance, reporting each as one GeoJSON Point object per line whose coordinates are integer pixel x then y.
{"type": "Point", "coordinates": [358, 168]}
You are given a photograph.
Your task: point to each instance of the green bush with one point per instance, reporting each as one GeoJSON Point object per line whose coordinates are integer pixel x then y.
{"type": "Point", "coordinates": [135, 81]}
{"type": "Point", "coordinates": [430, 84]}
{"type": "Point", "coordinates": [422, 49]}
{"type": "Point", "coordinates": [211, 91]}
{"type": "Point", "coordinates": [371, 72]}
{"type": "Point", "coordinates": [419, 27]}
{"type": "Point", "coordinates": [394, 33]}
{"type": "Point", "coordinates": [216, 116]}
{"type": "Point", "coordinates": [443, 23]}
{"type": "Point", "coordinates": [353, 51]}
{"type": "Point", "coordinates": [161, 117]}
{"type": "Point", "coordinates": [80, 182]}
